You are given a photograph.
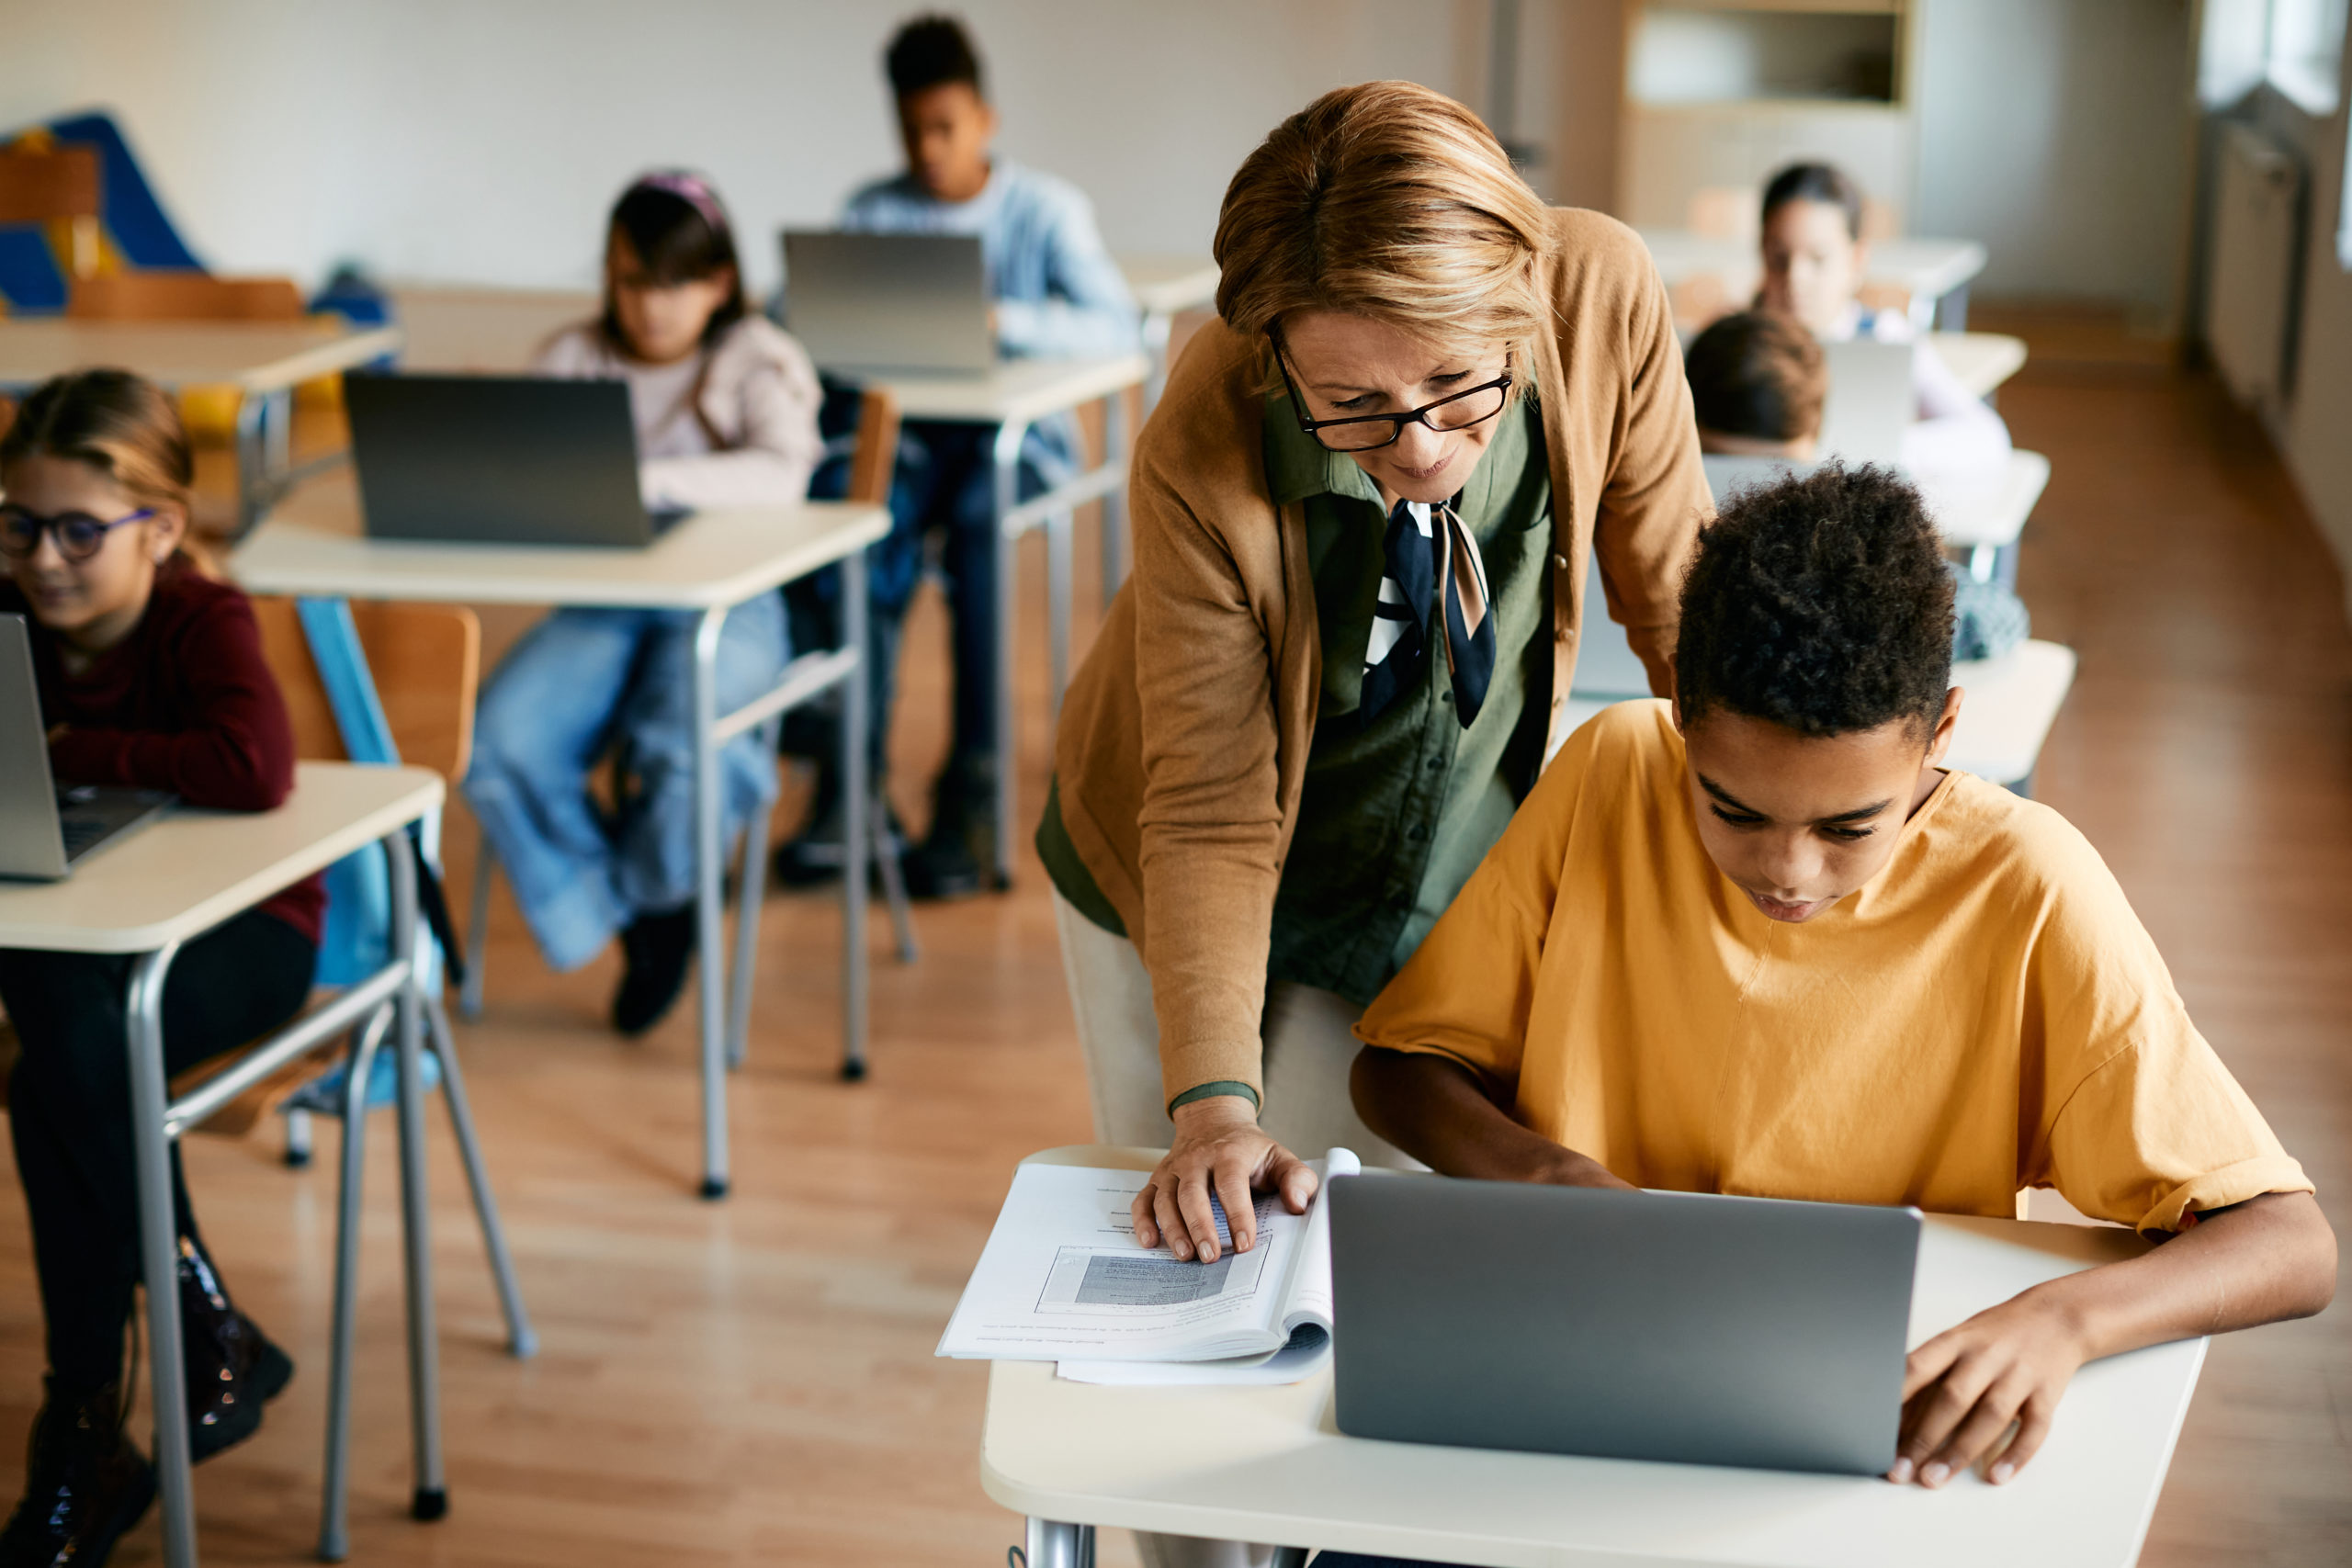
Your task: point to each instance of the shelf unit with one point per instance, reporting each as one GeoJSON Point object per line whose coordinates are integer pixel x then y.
{"type": "Point", "coordinates": [1718, 93]}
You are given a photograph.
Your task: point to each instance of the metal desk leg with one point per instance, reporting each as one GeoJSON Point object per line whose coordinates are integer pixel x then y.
{"type": "Point", "coordinates": [477, 930]}
{"type": "Point", "coordinates": [253, 459]}
{"type": "Point", "coordinates": [1058, 600]}
{"type": "Point", "coordinates": [1049, 1544]}
{"type": "Point", "coordinates": [857, 844]}
{"type": "Point", "coordinates": [159, 1253]}
{"type": "Point", "coordinates": [753, 882]}
{"type": "Point", "coordinates": [1009, 438]}
{"type": "Point", "coordinates": [334, 1510]}
{"type": "Point", "coordinates": [1115, 501]}
{"type": "Point", "coordinates": [710, 944]}
{"type": "Point", "coordinates": [1951, 311]}
{"type": "Point", "coordinates": [432, 1496]}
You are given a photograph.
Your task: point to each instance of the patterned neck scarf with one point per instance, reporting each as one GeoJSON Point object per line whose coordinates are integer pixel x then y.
{"type": "Point", "coordinates": [1432, 559]}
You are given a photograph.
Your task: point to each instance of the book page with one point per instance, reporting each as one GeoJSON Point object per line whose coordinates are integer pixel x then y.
{"type": "Point", "coordinates": [1062, 1276]}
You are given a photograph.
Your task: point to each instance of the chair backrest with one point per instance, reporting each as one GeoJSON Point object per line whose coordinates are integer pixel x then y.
{"type": "Point", "coordinates": [184, 297]}
{"type": "Point", "coordinates": [426, 661]}
{"type": "Point", "coordinates": [875, 457]}
{"type": "Point", "coordinates": [54, 185]}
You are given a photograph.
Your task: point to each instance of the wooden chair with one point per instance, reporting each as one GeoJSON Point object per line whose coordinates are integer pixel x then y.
{"type": "Point", "coordinates": [57, 186]}
{"type": "Point", "coordinates": [172, 296]}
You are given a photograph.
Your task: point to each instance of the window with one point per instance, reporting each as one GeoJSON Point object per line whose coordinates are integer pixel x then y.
{"type": "Point", "coordinates": [2303, 53]}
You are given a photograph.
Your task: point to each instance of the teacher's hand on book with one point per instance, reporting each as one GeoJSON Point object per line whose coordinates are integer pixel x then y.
{"type": "Point", "coordinates": [1218, 1147]}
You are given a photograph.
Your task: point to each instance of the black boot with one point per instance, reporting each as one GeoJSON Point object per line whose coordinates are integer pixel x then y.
{"type": "Point", "coordinates": [655, 951]}
{"type": "Point", "coordinates": [233, 1369]}
{"type": "Point", "coordinates": [955, 857]}
{"type": "Point", "coordinates": [85, 1483]}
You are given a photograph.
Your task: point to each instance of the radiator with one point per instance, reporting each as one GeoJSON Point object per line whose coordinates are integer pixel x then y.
{"type": "Point", "coordinates": [2257, 222]}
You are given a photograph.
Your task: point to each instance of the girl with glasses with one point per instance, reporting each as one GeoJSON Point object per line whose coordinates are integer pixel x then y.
{"type": "Point", "coordinates": [150, 674]}
{"type": "Point", "coordinates": [1362, 515]}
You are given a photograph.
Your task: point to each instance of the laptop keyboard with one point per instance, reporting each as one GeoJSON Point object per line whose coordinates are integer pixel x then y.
{"type": "Point", "coordinates": [81, 833]}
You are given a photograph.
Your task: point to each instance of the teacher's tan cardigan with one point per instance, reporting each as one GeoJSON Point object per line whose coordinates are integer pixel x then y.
{"type": "Point", "coordinates": [1184, 739]}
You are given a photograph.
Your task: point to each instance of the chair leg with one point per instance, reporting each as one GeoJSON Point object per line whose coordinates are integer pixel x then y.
{"type": "Point", "coordinates": [478, 931]}
{"type": "Point", "coordinates": [754, 878]}
{"type": "Point", "coordinates": [887, 850]}
{"type": "Point", "coordinates": [335, 1520]}
{"type": "Point", "coordinates": [521, 1339]}
{"type": "Point", "coordinates": [298, 1140]}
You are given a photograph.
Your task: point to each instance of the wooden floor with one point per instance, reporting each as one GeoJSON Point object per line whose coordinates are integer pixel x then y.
{"type": "Point", "coordinates": [753, 1381]}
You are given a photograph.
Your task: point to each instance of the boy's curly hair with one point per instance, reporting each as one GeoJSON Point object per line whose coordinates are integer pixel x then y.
{"type": "Point", "coordinates": [1819, 604]}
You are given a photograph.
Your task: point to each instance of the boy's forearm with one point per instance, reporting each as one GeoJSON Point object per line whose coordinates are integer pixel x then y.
{"type": "Point", "coordinates": [2270, 1259]}
{"type": "Point", "coordinates": [1437, 1110]}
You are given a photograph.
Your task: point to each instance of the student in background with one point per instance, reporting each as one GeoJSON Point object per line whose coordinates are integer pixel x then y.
{"type": "Point", "coordinates": [1815, 261]}
{"type": "Point", "coordinates": [1757, 383]}
{"type": "Point", "coordinates": [726, 412]}
{"type": "Point", "coordinates": [1838, 972]}
{"type": "Point", "coordinates": [1058, 295]}
{"type": "Point", "coordinates": [150, 674]}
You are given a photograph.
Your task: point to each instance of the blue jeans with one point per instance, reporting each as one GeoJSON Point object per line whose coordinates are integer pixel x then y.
{"type": "Point", "coordinates": [587, 684]}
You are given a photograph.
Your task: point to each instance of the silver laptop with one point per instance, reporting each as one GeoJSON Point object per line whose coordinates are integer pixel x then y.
{"type": "Point", "coordinates": [1871, 401]}
{"type": "Point", "coordinates": [879, 303]}
{"type": "Point", "coordinates": [498, 459]}
{"type": "Point", "coordinates": [1650, 1325]}
{"type": "Point", "coordinates": [45, 830]}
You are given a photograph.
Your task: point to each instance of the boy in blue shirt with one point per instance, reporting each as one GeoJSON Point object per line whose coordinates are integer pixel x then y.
{"type": "Point", "coordinates": [1056, 294]}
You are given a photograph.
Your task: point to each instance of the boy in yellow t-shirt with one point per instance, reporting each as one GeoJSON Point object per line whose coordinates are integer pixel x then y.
{"type": "Point", "coordinates": [1760, 941]}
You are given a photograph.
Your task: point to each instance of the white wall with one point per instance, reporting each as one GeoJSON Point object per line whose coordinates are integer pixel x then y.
{"type": "Point", "coordinates": [482, 139]}
{"type": "Point", "coordinates": [2057, 132]}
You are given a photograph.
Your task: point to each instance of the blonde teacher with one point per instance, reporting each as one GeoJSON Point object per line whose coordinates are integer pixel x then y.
{"type": "Point", "coordinates": [1362, 512]}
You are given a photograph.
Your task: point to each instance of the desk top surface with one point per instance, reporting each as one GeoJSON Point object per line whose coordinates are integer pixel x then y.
{"type": "Point", "coordinates": [1980, 361]}
{"type": "Point", "coordinates": [1267, 1464]}
{"type": "Point", "coordinates": [260, 356]}
{"type": "Point", "coordinates": [180, 876]}
{"type": "Point", "coordinates": [1930, 268]}
{"type": "Point", "coordinates": [1168, 285]}
{"type": "Point", "coordinates": [311, 544]}
{"type": "Point", "coordinates": [1015, 389]}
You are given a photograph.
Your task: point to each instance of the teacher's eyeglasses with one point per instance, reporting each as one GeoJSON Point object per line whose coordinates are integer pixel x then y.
{"type": "Point", "coordinates": [1370, 431]}
{"type": "Point", "coordinates": [79, 535]}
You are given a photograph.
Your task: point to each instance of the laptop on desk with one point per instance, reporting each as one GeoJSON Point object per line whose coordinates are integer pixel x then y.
{"type": "Point", "coordinates": [1647, 1326]}
{"type": "Point", "coordinates": [499, 460]}
{"type": "Point", "coordinates": [909, 304]}
{"type": "Point", "coordinates": [45, 830]}
{"type": "Point", "coordinates": [1871, 401]}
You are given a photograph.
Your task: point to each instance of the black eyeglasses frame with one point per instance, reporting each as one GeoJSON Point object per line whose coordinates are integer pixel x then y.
{"type": "Point", "coordinates": [1396, 421]}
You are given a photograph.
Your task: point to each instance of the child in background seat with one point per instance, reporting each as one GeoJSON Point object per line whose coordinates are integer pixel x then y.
{"type": "Point", "coordinates": [726, 412]}
{"type": "Point", "coordinates": [1815, 261]}
{"type": "Point", "coordinates": [150, 674]}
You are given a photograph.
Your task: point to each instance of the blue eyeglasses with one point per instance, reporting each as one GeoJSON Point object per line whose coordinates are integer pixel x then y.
{"type": "Point", "coordinates": [79, 535]}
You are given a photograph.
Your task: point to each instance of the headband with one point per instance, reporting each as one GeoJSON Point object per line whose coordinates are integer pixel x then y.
{"type": "Point", "coordinates": [690, 189]}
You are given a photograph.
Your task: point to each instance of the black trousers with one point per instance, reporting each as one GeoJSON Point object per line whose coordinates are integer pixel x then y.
{"type": "Point", "coordinates": [68, 1109]}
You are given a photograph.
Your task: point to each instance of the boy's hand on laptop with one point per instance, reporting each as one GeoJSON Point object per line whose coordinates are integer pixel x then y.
{"type": "Point", "coordinates": [1964, 1388]}
{"type": "Point", "coordinates": [1218, 1145]}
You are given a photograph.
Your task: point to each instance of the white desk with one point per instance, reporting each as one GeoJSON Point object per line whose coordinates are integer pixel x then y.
{"type": "Point", "coordinates": [1165, 287]}
{"type": "Point", "coordinates": [1988, 525]}
{"type": "Point", "coordinates": [1013, 397]}
{"type": "Point", "coordinates": [263, 360]}
{"type": "Point", "coordinates": [313, 545]}
{"type": "Point", "coordinates": [1267, 1464]}
{"type": "Point", "coordinates": [1980, 361]}
{"type": "Point", "coordinates": [172, 882]}
{"type": "Point", "coordinates": [1936, 273]}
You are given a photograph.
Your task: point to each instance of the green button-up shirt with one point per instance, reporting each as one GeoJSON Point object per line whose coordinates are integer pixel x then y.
{"type": "Point", "coordinates": [1396, 813]}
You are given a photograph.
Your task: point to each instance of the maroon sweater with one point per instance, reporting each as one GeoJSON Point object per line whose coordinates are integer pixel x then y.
{"type": "Point", "coordinates": [185, 703]}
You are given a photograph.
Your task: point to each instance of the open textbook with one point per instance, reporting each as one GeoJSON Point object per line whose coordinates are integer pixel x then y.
{"type": "Point", "coordinates": [1062, 1279]}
